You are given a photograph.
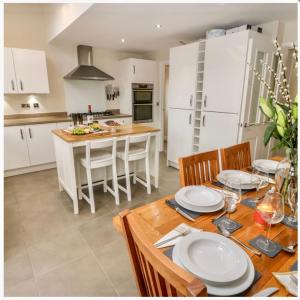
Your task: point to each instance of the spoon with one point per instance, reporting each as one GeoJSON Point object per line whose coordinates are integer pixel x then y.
{"type": "Point", "coordinates": [290, 248]}
{"type": "Point", "coordinates": [227, 234]}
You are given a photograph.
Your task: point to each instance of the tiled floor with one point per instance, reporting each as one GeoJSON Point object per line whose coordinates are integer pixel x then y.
{"type": "Point", "coordinates": [51, 252]}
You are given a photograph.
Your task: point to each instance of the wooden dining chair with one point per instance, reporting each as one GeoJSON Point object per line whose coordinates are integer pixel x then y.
{"type": "Point", "coordinates": [236, 157]}
{"type": "Point", "coordinates": [199, 168]}
{"type": "Point", "coordinates": [156, 275]}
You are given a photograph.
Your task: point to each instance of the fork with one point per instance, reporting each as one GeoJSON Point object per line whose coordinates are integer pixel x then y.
{"type": "Point", "coordinates": [294, 279]}
{"type": "Point", "coordinates": [182, 231]}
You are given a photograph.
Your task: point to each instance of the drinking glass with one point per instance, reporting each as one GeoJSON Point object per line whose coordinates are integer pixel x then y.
{"type": "Point", "coordinates": [292, 199]}
{"type": "Point", "coordinates": [271, 209]}
{"type": "Point", "coordinates": [260, 180]}
{"type": "Point", "coordinates": [232, 195]}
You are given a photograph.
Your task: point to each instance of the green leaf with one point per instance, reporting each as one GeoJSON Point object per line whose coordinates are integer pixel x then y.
{"type": "Point", "coordinates": [269, 132]}
{"type": "Point", "coordinates": [295, 111]}
{"type": "Point", "coordinates": [267, 107]}
{"type": "Point", "coordinates": [296, 99]}
{"type": "Point", "coordinates": [281, 120]}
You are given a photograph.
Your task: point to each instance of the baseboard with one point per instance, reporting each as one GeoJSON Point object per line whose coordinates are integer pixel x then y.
{"type": "Point", "coordinates": [20, 171]}
{"type": "Point", "coordinates": [172, 164]}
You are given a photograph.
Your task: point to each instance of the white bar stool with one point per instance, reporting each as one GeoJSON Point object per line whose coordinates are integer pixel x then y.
{"type": "Point", "coordinates": [134, 153]}
{"type": "Point", "coordinates": [101, 159]}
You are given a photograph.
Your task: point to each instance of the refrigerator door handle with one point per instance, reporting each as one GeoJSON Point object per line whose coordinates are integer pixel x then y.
{"type": "Point", "coordinates": [205, 99]}
{"type": "Point", "coordinates": [203, 121]}
{"type": "Point", "coordinates": [190, 119]}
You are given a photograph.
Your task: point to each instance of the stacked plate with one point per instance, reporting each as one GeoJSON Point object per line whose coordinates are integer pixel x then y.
{"type": "Point", "coordinates": [246, 180]}
{"type": "Point", "coordinates": [265, 165]}
{"type": "Point", "coordinates": [200, 198]}
{"type": "Point", "coordinates": [225, 268]}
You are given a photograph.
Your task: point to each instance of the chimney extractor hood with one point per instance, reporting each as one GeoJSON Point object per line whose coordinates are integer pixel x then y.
{"type": "Point", "coordinates": [85, 69]}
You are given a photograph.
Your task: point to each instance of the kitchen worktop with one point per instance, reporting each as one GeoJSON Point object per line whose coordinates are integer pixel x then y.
{"type": "Point", "coordinates": [43, 118]}
{"type": "Point", "coordinates": [121, 131]}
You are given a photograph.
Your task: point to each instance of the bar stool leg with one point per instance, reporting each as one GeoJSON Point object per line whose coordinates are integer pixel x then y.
{"type": "Point", "coordinates": [79, 180]}
{"type": "Point", "coordinates": [115, 183]}
{"type": "Point", "coordinates": [128, 188]}
{"type": "Point", "coordinates": [148, 175]}
{"type": "Point", "coordinates": [134, 172]}
{"type": "Point", "coordinates": [105, 180]}
{"type": "Point", "coordinates": [91, 192]}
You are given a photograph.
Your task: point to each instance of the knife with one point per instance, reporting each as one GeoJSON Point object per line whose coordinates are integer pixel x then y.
{"type": "Point", "coordinates": [180, 211]}
{"type": "Point", "coordinates": [266, 292]}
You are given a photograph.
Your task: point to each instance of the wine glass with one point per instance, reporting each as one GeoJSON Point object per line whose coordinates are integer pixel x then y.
{"type": "Point", "coordinates": [232, 195]}
{"type": "Point", "coordinates": [271, 209]}
{"type": "Point", "coordinates": [292, 199]}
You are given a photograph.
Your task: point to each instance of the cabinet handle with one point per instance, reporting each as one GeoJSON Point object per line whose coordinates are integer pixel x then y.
{"type": "Point", "coordinates": [191, 100]}
{"type": "Point", "coordinates": [133, 69]}
{"type": "Point", "coordinates": [21, 85]}
{"type": "Point", "coordinates": [190, 119]}
{"type": "Point", "coordinates": [21, 132]}
{"type": "Point", "coordinates": [203, 121]}
{"type": "Point", "coordinates": [205, 98]}
{"type": "Point", "coordinates": [30, 135]}
{"type": "Point", "coordinates": [12, 85]}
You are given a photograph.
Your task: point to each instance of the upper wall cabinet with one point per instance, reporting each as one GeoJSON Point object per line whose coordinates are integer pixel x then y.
{"type": "Point", "coordinates": [25, 71]}
{"type": "Point", "coordinates": [138, 70]}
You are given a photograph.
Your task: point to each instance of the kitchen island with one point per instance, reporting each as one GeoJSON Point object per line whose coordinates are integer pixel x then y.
{"type": "Point", "coordinates": [67, 146]}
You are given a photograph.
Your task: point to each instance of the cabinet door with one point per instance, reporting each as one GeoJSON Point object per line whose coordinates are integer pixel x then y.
{"type": "Point", "coordinates": [31, 71]}
{"type": "Point", "coordinates": [10, 83]}
{"type": "Point", "coordinates": [182, 76]}
{"type": "Point", "coordinates": [224, 70]}
{"type": "Point", "coordinates": [143, 71]}
{"type": "Point", "coordinates": [180, 134]}
{"type": "Point", "coordinates": [40, 143]}
{"type": "Point", "coordinates": [15, 148]}
{"type": "Point", "coordinates": [218, 130]}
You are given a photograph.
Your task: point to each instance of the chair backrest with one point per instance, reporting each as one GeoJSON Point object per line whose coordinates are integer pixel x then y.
{"type": "Point", "coordinates": [199, 168]}
{"type": "Point", "coordinates": [105, 143]}
{"type": "Point", "coordinates": [156, 275]}
{"type": "Point", "coordinates": [135, 139]}
{"type": "Point", "coordinates": [236, 157]}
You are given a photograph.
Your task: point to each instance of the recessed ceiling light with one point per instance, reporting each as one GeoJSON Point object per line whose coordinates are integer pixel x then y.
{"type": "Point", "coordinates": [123, 41]}
{"type": "Point", "coordinates": [158, 26]}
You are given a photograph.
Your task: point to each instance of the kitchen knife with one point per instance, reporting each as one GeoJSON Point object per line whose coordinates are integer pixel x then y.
{"type": "Point", "coordinates": [184, 214]}
{"type": "Point", "coordinates": [266, 292]}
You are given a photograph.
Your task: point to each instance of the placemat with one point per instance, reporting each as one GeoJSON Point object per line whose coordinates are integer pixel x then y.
{"type": "Point", "coordinates": [294, 267]}
{"type": "Point", "coordinates": [257, 275]}
{"type": "Point", "coordinates": [173, 204]}
{"type": "Point", "coordinates": [219, 184]}
{"type": "Point", "coordinates": [287, 223]}
{"type": "Point", "coordinates": [233, 225]}
{"type": "Point", "coordinates": [270, 254]}
{"type": "Point", "coordinates": [249, 202]}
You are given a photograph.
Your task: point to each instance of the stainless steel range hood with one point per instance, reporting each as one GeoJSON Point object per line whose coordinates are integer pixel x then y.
{"type": "Point", "coordinates": [85, 69]}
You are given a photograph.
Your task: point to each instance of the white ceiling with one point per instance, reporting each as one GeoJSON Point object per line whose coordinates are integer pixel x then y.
{"type": "Point", "coordinates": [104, 25]}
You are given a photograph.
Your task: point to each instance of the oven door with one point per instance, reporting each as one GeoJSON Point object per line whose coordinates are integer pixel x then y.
{"type": "Point", "coordinates": [142, 96]}
{"type": "Point", "coordinates": [142, 113]}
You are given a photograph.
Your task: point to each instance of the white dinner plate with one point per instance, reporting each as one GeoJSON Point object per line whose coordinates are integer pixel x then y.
{"type": "Point", "coordinates": [199, 195]}
{"type": "Point", "coordinates": [202, 209]}
{"type": "Point", "coordinates": [247, 180]}
{"type": "Point", "coordinates": [212, 257]}
{"type": "Point", "coordinates": [265, 165]}
{"type": "Point", "coordinates": [229, 289]}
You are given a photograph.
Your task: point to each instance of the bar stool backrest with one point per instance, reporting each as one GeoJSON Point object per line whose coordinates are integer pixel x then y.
{"type": "Point", "coordinates": [136, 139]}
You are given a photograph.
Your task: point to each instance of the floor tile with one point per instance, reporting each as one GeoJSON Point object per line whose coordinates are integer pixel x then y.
{"type": "Point", "coordinates": [81, 278]}
{"type": "Point", "coordinates": [17, 270]}
{"type": "Point", "coordinates": [26, 288]}
{"type": "Point", "coordinates": [62, 249]}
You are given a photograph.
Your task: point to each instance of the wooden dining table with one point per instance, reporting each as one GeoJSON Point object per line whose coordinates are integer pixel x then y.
{"type": "Point", "coordinates": [159, 219]}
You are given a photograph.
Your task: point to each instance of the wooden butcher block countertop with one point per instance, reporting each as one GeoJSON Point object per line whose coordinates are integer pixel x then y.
{"type": "Point", "coordinates": [121, 131]}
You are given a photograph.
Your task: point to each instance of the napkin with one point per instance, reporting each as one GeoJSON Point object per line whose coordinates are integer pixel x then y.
{"type": "Point", "coordinates": [174, 233]}
{"type": "Point", "coordinates": [287, 282]}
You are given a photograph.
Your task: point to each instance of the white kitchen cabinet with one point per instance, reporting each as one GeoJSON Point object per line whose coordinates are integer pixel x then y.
{"type": "Point", "coordinates": [224, 72]}
{"type": "Point", "coordinates": [29, 70]}
{"type": "Point", "coordinates": [15, 148]}
{"type": "Point", "coordinates": [10, 82]}
{"type": "Point", "coordinates": [180, 134]}
{"type": "Point", "coordinates": [183, 74]}
{"type": "Point", "coordinates": [40, 143]}
{"type": "Point", "coordinates": [218, 130]}
{"type": "Point", "coordinates": [138, 70]}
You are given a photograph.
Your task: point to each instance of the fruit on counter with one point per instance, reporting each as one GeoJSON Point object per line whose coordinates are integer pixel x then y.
{"type": "Point", "coordinates": [112, 123]}
{"type": "Point", "coordinates": [95, 126]}
{"type": "Point", "coordinates": [78, 131]}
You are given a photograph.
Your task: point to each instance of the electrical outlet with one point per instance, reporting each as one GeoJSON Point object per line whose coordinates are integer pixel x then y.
{"type": "Point", "coordinates": [36, 105]}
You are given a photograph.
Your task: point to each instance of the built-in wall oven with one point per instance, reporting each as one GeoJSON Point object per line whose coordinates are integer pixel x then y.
{"type": "Point", "coordinates": [142, 102]}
